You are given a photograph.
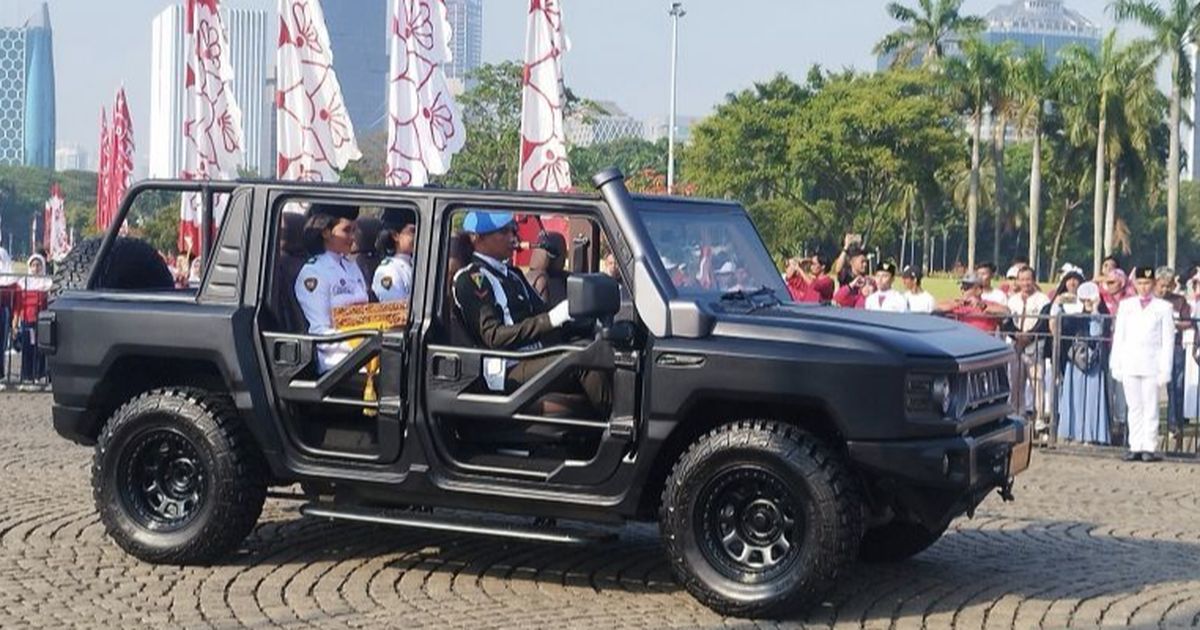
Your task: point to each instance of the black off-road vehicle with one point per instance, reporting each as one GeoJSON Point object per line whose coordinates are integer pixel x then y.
{"type": "Point", "coordinates": [774, 443]}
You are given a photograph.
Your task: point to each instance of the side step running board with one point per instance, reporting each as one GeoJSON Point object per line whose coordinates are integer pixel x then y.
{"type": "Point", "coordinates": [457, 524]}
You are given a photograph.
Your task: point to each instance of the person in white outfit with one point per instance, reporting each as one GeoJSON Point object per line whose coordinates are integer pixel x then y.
{"type": "Point", "coordinates": [1142, 353]}
{"type": "Point", "coordinates": [885, 298]}
{"type": "Point", "coordinates": [919, 300]}
{"type": "Point", "coordinates": [330, 278]}
{"type": "Point", "coordinates": [394, 276]}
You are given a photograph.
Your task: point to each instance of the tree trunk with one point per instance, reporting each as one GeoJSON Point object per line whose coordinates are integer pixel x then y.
{"type": "Point", "coordinates": [1062, 226]}
{"type": "Point", "coordinates": [1035, 198]}
{"type": "Point", "coordinates": [903, 238]}
{"type": "Point", "coordinates": [1098, 192]}
{"type": "Point", "coordinates": [1173, 169]}
{"type": "Point", "coordinates": [927, 225]}
{"type": "Point", "coordinates": [973, 190]}
{"type": "Point", "coordinates": [1110, 210]}
{"type": "Point", "coordinates": [999, 138]}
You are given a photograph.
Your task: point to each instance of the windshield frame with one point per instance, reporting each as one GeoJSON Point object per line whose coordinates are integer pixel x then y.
{"type": "Point", "coordinates": [746, 243]}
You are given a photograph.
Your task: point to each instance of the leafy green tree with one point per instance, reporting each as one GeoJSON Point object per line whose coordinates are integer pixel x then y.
{"type": "Point", "coordinates": [1173, 31]}
{"type": "Point", "coordinates": [925, 30]}
{"type": "Point", "coordinates": [1033, 84]}
{"type": "Point", "coordinates": [631, 155]}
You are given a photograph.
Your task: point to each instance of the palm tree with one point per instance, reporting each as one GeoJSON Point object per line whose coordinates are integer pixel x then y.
{"type": "Point", "coordinates": [926, 30]}
{"type": "Point", "coordinates": [1136, 110]}
{"type": "Point", "coordinates": [1033, 83]}
{"type": "Point", "coordinates": [1172, 31]}
{"type": "Point", "coordinates": [972, 77]}
{"type": "Point", "coordinates": [1003, 104]}
{"type": "Point", "coordinates": [1093, 73]}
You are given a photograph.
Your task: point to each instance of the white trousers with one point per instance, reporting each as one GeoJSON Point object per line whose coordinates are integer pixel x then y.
{"type": "Point", "coordinates": [1141, 395]}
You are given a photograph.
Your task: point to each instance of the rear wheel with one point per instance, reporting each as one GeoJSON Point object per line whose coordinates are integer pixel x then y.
{"type": "Point", "coordinates": [176, 478]}
{"type": "Point", "coordinates": [896, 541]}
{"type": "Point", "coordinates": [759, 518]}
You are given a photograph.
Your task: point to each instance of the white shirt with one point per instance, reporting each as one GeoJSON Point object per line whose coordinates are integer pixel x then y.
{"type": "Point", "coordinates": [1025, 310]}
{"type": "Point", "coordinates": [922, 302]}
{"type": "Point", "coordinates": [393, 279]}
{"type": "Point", "coordinates": [1144, 340]}
{"type": "Point", "coordinates": [995, 296]}
{"type": "Point", "coordinates": [891, 301]}
{"type": "Point", "coordinates": [327, 282]}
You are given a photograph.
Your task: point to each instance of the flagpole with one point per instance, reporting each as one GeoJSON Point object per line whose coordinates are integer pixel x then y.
{"type": "Point", "coordinates": [676, 12]}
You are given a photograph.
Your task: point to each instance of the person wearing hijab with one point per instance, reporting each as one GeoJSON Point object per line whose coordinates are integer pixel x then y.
{"type": "Point", "coordinates": [1082, 398]}
{"type": "Point", "coordinates": [32, 296]}
{"type": "Point", "coordinates": [330, 278]}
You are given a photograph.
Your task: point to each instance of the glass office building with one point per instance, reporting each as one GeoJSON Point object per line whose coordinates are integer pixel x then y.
{"type": "Point", "coordinates": [1041, 23]}
{"type": "Point", "coordinates": [27, 114]}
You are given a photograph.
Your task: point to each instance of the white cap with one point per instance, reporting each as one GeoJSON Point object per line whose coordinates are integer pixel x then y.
{"type": "Point", "coordinates": [1089, 291]}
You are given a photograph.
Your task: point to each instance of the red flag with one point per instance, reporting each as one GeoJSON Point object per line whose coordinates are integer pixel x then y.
{"type": "Point", "coordinates": [103, 213]}
{"type": "Point", "coordinates": [121, 158]}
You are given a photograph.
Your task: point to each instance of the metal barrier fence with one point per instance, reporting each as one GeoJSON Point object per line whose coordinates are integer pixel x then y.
{"type": "Point", "coordinates": [1061, 380]}
{"type": "Point", "coordinates": [22, 366]}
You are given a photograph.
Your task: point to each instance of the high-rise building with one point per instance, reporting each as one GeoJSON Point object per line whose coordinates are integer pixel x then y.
{"type": "Point", "coordinates": [27, 125]}
{"type": "Point", "coordinates": [358, 38]}
{"type": "Point", "coordinates": [466, 22]}
{"type": "Point", "coordinates": [250, 39]}
{"type": "Point", "coordinates": [1048, 24]}
{"type": "Point", "coordinates": [71, 158]}
{"type": "Point", "coordinates": [603, 123]}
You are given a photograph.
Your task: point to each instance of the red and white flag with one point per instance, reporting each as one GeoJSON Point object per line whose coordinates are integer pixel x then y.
{"type": "Point", "coordinates": [212, 125]}
{"type": "Point", "coordinates": [424, 124]}
{"type": "Point", "coordinates": [58, 238]}
{"type": "Point", "coordinates": [544, 166]}
{"type": "Point", "coordinates": [120, 165]}
{"type": "Point", "coordinates": [103, 206]}
{"type": "Point", "coordinates": [316, 137]}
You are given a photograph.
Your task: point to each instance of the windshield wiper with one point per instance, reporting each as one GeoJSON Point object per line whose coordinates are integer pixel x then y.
{"type": "Point", "coordinates": [753, 297]}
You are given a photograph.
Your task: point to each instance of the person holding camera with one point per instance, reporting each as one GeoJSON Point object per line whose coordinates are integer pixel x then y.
{"type": "Point", "coordinates": [971, 309]}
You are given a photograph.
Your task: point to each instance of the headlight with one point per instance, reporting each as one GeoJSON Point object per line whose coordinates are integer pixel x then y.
{"type": "Point", "coordinates": [928, 394]}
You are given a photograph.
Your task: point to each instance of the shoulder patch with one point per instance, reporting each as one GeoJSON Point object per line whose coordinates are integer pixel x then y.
{"type": "Point", "coordinates": [386, 281]}
{"type": "Point", "coordinates": [310, 284]}
{"type": "Point", "coordinates": [477, 278]}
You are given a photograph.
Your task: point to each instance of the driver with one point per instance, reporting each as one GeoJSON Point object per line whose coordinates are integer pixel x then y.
{"type": "Point", "coordinates": [500, 311]}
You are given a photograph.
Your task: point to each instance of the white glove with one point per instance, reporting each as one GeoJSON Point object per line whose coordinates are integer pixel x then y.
{"type": "Point", "coordinates": [560, 314]}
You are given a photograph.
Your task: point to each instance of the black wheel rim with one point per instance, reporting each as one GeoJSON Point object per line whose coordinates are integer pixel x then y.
{"type": "Point", "coordinates": [751, 524]}
{"type": "Point", "coordinates": [163, 480]}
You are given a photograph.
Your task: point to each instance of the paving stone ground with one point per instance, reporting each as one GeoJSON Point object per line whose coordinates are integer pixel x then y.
{"type": "Point", "coordinates": [1091, 541]}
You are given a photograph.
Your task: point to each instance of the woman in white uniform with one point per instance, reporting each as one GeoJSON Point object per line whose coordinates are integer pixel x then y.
{"type": "Point", "coordinates": [330, 278]}
{"type": "Point", "coordinates": [394, 276]}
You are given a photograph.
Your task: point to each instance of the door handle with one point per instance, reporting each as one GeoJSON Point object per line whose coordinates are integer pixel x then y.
{"type": "Point", "coordinates": [446, 367]}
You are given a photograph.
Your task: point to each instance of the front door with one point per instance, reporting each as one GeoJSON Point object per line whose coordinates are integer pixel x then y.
{"type": "Point", "coordinates": [530, 412]}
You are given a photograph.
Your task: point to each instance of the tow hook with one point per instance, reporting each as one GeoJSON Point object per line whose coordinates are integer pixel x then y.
{"type": "Point", "coordinates": [1005, 491]}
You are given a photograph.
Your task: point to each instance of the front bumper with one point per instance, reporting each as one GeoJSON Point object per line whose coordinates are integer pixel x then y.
{"type": "Point", "coordinates": [990, 457]}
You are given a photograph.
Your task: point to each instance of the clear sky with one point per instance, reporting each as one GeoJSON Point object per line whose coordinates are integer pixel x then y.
{"type": "Point", "coordinates": [620, 48]}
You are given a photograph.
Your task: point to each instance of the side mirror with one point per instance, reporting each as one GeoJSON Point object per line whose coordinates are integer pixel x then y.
{"type": "Point", "coordinates": [593, 296]}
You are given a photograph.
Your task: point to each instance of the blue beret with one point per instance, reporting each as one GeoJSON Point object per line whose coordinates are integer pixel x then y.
{"type": "Point", "coordinates": [483, 222]}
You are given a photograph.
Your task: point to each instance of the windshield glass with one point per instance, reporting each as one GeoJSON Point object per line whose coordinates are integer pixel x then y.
{"type": "Point", "coordinates": [707, 254]}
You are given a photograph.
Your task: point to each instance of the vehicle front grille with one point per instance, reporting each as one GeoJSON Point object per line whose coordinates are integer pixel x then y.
{"type": "Point", "coordinates": [987, 386]}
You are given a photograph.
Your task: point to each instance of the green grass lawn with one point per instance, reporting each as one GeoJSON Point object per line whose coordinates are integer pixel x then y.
{"type": "Point", "coordinates": [941, 288]}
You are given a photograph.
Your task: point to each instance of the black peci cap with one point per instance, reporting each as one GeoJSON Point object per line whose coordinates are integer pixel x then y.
{"type": "Point", "coordinates": [889, 267]}
{"type": "Point", "coordinates": [1143, 273]}
{"type": "Point", "coordinates": [350, 213]}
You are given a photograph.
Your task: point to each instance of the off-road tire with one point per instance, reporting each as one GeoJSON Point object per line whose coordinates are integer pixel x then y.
{"type": "Point", "coordinates": [233, 469]}
{"type": "Point", "coordinates": [897, 541]}
{"type": "Point", "coordinates": [816, 485]}
{"type": "Point", "coordinates": [130, 264]}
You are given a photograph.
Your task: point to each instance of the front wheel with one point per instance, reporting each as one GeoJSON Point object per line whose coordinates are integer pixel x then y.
{"type": "Point", "coordinates": [759, 518]}
{"type": "Point", "coordinates": [176, 478]}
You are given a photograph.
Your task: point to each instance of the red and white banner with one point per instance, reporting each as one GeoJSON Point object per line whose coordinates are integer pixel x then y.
{"type": "Point", "coordinates": [316, 137]}
{"type": "Point", "coordinates": [120, 164]}
{"type": "Point", "coordinates": [544, 166]}
{"type": "Point", "coordinates": [104, 211]}
{"type": "Point", "coordinates": [424, 124]}
{"type": "Point", "coordinates": [57, 238]}
{"type": "Point", "coordinates": [212, 125]}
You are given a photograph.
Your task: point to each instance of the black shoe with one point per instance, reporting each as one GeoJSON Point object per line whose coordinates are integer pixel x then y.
{"type": "Point", "coordinates": [1131, 456]}
{"type": "Point", "coordinates": [1151, 457]}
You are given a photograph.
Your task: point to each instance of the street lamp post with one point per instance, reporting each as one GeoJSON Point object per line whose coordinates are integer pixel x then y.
{"type": "Point", "coordinates": [676, 12]}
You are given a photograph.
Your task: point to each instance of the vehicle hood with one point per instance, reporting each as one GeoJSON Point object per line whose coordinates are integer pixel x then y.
{"type": "Point", "coordinates": [911, 335]}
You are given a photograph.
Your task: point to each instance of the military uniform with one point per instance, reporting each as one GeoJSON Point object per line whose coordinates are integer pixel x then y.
{"type": "Point", "coordinates": [1142, 352]}
{"type": "Point", "coordinates": [501, 311]}
{"type": "Point", "coordinates": [393, 279]}
{"type": "Point", "coordinates": [328, 281]}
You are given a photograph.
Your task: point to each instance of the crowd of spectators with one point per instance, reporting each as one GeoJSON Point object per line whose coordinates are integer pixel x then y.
{"type": "Point", "coordinates": [22, 297]}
